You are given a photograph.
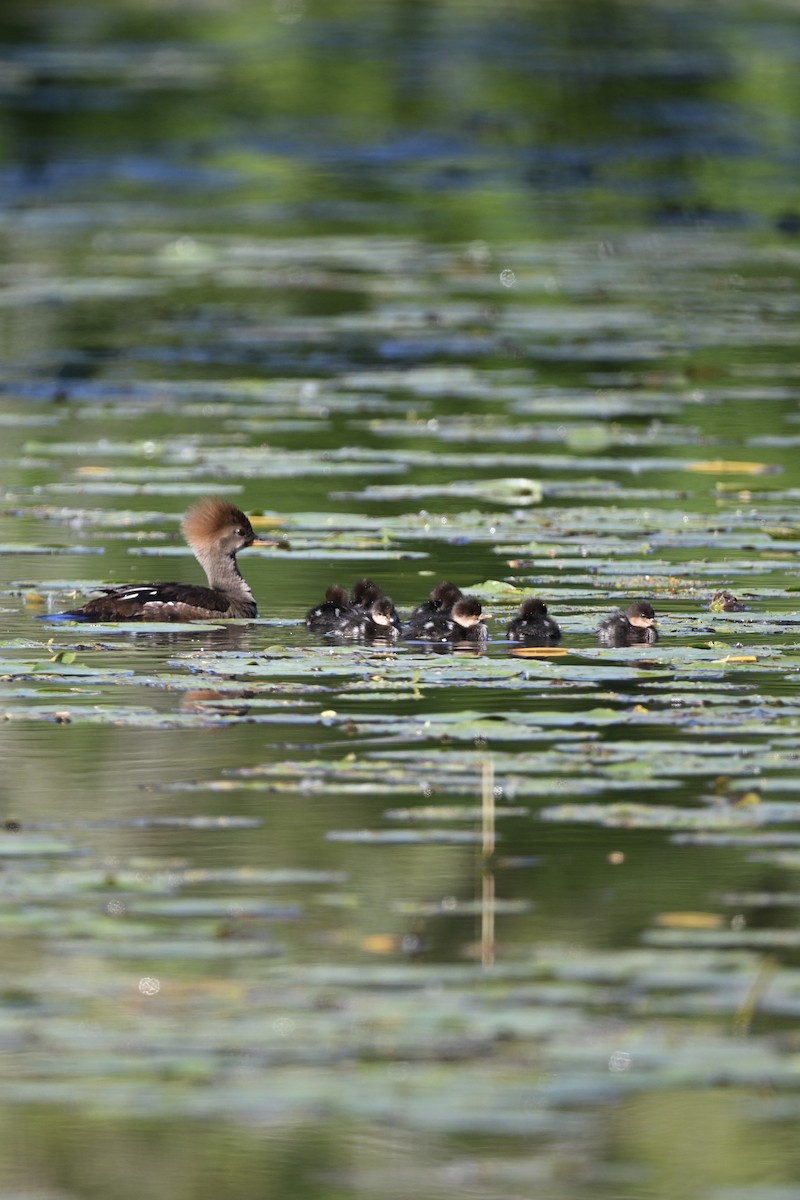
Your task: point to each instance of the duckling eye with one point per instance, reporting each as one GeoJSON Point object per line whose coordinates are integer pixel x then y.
{"type": "Point", "coordinates": [240, 532]}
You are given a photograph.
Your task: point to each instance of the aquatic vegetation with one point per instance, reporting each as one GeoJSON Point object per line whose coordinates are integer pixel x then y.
{"type": "Point", "coordinates": [374, 897]}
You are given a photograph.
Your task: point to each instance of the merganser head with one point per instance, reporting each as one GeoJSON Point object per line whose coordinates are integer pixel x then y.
{"type": "Point", "coordinates": [336, 595]}
{"type": "Point", "coordinates": [382, 612]}
{"type": "Point", "coordinates": [468, 612]}
{"type": "Point", "coordinates": [533, 609]}
{"type": "Point", "coordinates": [365, 592]}
{"type": "Point", "coordinates": [725, 601]}
{"type": "Point", "coordinates": [215, 524]}
{"type": "Point", "coordinates": [445, 594]}
{"type": "Point", "coordinates": [641, 614]}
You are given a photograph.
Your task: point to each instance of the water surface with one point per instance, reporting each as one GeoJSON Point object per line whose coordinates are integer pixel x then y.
{"type": "Point", "coordinates": [508, 298]}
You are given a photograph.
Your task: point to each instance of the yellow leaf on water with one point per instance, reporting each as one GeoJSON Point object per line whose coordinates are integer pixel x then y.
{"type": "Point", "coordinates": [259, 522]}
{"type": "Point", "coordinates": [539, 651]}
{"type": "Point", "coordinates": [380, 943]}
{"type": "Point", "coordinates": [87, 469]}
{"type": "Point", "coordinates": [690, 920]}
{"type": "Point", "coordinates": [725, 466]}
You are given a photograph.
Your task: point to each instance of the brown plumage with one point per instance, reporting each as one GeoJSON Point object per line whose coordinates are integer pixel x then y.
{"type": "Point", "coordinates": [532, 624]}
{"type": "Point", "coordinates": [216, 531]}
{"type": "Point", "coordinates": [462, 623]}
{"type": "Point", "coordinates": [365, 613]}
{"type": "Point", "coordinates": [635, 627]}
{"type": "Point", "coordinates": [325, 617]}
{"type": "Point", "coordinates": [442, 599]}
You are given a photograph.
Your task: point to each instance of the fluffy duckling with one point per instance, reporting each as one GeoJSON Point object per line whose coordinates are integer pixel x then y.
{"type": "Point", "coordinates": [382, 622]}
{"type": "Point", "coordinates": [364, 593]}
{"type": "Point", "coordinates": [442, 599]}
{"type": "Point", "coordinates": [532, 624]}
{"type": "Point", "coordinates": [325, 617]}
{"type": "Point", "coordinates": [365, 613]}
{"type": "Point", "coordinates": [463, 623]}
{"type": "Point", "coordinates": [635, 627]}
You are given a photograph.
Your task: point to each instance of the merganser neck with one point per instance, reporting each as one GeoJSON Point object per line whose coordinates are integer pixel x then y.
{"type": "Point", "coordinates": [223, 575]}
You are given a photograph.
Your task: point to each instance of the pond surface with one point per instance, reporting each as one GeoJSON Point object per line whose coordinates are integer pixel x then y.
{"type": "Point", "coordinates": [507, 298]}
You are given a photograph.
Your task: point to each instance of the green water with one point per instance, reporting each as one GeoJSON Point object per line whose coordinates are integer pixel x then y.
{"type": "Point", "coordinates": [504, 296]}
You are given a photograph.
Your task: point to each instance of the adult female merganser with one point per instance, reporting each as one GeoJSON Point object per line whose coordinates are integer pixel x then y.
{"type": "Point", "coordinates": [532, 624]}
{"type": "Point", "coordinates": [216, 532]}
{"type": "Point", "coordinates": [637, 625]}
{"type": "Point", "coordinates": [463, 623]}
{"type": "Point", "coordinates": [442, 599]}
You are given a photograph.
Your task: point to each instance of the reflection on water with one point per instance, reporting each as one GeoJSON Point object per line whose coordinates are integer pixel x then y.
{"type": "Point", "coordinates": [432, 292]}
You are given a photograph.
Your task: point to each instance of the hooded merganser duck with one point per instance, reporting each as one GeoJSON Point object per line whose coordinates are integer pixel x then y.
{"type": "Point", "coordinates": [382, 620]}
{"type": "Point", "coordinates": [634, 627]}
{"type": "Point", "coordinates": [216, 532]}
{"type": "Point", "coordinates": [378, 621]}
{"type": "Point", "coordinates": [468, 619]}
{"type": "Point", "coordinates": [365, 613]}
{"type": "Point", "coordinates": [442, 599]}
{"type": "Point", "coordinates": [364, 593]}
{"type": "Point", "coordinates": [377, 606]}
{"type": "Point", "coordinates": [532, 624]}
{"type": "Point", "coordinates": [463, 623]}
{"type": "Point", "coordinates": [324, 618]}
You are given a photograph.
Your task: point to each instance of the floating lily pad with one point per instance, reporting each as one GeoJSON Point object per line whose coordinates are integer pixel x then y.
{"type": "Point", "coordinates": [517, 491]}
{"type": "Point", "coordinates": [399, 837]}
{"type": "Point", "coordinates": [636, 816]}
{"type": "Point", "coordinates": [24, 845]}
{"type": "Point", "coordinates": [453, 812]}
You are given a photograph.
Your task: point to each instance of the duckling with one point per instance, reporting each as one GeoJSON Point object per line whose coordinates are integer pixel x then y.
{"type": "Point", "coordinates": [532, 624]}
{"type": "Point", "coordinates": [468, 620]}
{"type": "Point", "coordinates": [464, 622]}
{"type": "Point", "coordinates": [365, 613]}
{"type": "Point", "coordinates": [324, 618]}
{"type": "Point", "coordinates": [635, 627]}
{"type": "Point", "coordinates": [366, 594]}
{"type": "Point", "coordinates": [382, 621]}
{"type": "Point", "coordinates": [442, 599]}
